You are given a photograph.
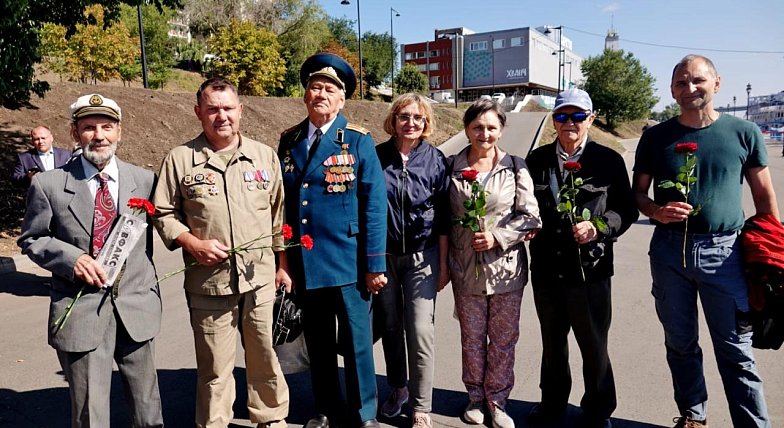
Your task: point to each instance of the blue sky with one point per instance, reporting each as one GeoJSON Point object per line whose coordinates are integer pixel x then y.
{"type": "Point", "coordinates": [699, 25]}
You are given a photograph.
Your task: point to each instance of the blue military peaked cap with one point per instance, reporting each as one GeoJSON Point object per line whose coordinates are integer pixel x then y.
{"type": "Point", "coordinates": [332, 67]}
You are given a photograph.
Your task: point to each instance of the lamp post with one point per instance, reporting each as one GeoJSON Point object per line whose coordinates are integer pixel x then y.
{"type": "Point", "coordinates": [734, 98]}
{"type": "Point", "coordinates": [141, 42]}
{"type": "Point", "coordinates": [547, 30]}
{"type": "Point", "coordinates": [748, 97]}
{"type": "Point", "coordinates": [392, 42]}
{"type": "Point", "coordinates": [570, 74]}
{"type": "Point", "coordinates": [359, 44]}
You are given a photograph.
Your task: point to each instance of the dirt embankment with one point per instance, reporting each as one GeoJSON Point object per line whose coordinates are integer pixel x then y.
{"type": "Point", "coordinates": [156, 121]}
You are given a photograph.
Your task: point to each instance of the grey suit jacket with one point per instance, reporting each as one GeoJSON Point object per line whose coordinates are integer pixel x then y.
{"type": "Point", "coordinates": [56, 231]}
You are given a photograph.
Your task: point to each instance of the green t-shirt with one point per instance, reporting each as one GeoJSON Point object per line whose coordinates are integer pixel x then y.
{"type": "Point", "coordinates": [725, 149]}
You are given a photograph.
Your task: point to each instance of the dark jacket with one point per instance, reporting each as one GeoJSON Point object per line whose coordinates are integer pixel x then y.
{"type": "Point", "coordinates": [605, 193]}
{"type": "Point", "coordinates": [347, 225]}
{"type": "Point", "coordinates": [29, 160]}
{"type": "Point", "coordinates": [417, 197]}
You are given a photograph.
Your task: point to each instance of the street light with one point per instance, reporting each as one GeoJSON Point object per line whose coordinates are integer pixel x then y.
{"type": "Point", "coordinates": [392, 42]}
{"type": "Point", "coordinates": [734, 98]}
{"type": "Point", "coordinates": [548, 30]}
{"type": "Point", "coordinates": [141, 42]}
{"type": "Point", "coordinates": [359, 43]}
{"type": "Point", "coordinates": [748, 97]}
{"type": "Point", "coordinates": [570, 73]}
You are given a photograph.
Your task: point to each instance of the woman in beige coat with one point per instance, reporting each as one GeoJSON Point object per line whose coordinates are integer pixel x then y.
{"type": "Point", "coordinates": [489, 267]}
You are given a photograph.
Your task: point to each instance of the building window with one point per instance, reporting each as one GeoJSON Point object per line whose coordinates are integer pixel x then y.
{"type": "Point", "coordinates": [421, 67]}
{"type": "Point", "coordinates": [435, 81]}
{"type": "Point", "coordinates": [499, 43]}
{"type": "Point", "coordinates": [434, 66]}
{"type": "Point", "coordinates": [478, 46]}
{"type": "Point", "coordinates": [420, 54]}
{"type": "Point", "coordinates": [433, 53]}
{"type": "Point", "coordinates": [516, 41]}
{"type": "Point", "coordinates": [409, 55]}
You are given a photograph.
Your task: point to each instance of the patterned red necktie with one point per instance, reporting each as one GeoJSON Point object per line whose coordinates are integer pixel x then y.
{"type": "Point", "coordinates": [104, 214]}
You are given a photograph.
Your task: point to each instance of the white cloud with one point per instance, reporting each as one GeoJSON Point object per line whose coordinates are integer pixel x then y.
{"type": "Point", "coordinates": [611, 7]}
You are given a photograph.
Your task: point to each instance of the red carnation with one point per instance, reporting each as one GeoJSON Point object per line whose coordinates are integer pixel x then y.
{"type": "Point", "coordinates": [141, 204]}
{"type": "Point", "coordinates": [572, 166]}
{"type": "Point", "coordinates": [306, 242]}
{"type": "Point", "coordinates": [286, 232]}
{"type": "Point", "coordinates": [470, 175]}
{"type": "Point", "coordinates": [682, 148]}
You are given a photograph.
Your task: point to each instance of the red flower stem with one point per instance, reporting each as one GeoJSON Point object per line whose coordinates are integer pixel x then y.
{"type": "Point", "coordinates": [571, 220]}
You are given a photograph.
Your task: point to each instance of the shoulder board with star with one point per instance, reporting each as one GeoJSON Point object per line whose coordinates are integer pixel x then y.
{"type": "Point", "coordinates": [289, 130]}
{"type": "Point", "coordinates": [357, 128]}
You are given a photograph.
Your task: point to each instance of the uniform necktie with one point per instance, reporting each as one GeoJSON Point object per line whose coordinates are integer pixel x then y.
{"type": "Point", "coordinates": [315, 144]}
{"type": "Point", "coordinates": [104, 214]}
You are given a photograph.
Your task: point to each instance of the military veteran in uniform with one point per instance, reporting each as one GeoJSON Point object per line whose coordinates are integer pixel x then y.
{"type": "Point", "coordinates": [216, 192]}
{"type": "Point", "coordinates": [70, 212]}
{"type": "Point", "coordinates": [335, 192]}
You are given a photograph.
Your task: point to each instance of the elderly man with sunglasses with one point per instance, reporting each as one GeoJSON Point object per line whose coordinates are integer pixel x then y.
{"type": "Point", "coordinates": [572, 259]}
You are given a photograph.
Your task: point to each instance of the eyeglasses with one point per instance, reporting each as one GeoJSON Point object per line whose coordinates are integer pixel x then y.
{"type": "Point", "coordinates": [577, 117]}
{"type": "Point", "coordinates": [416, 118]}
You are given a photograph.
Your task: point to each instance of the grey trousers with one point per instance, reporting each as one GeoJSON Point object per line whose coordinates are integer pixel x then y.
{"type": "Point", "coordinates": [406, 306]}
{"type": "Point", "coordinates": [89, 376]}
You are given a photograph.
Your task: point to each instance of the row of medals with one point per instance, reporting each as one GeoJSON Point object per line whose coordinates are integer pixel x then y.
{"type": "Point", "coordinates": [339, 171]}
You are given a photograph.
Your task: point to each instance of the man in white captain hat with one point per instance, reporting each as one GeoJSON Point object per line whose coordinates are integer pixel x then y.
{"type": "Point", "coordinates": [70, 212]}
{"type": "Point", "coordinates": [335, 192]}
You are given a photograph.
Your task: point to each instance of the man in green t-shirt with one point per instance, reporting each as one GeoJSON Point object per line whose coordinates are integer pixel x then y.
{"type": "Point", "coordinates": [694, 249]}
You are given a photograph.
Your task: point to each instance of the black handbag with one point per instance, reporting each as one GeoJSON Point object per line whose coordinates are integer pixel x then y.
{"type": "Point", "coordinates": [287, 317]}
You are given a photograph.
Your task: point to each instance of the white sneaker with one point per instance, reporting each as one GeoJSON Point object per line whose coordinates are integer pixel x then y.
{"type": "Point", "coordinates": [500, 418]}
{"type": "Point", "coordinates": [473, 413]}
{"type": "Point", "coordinates": [421, 420]}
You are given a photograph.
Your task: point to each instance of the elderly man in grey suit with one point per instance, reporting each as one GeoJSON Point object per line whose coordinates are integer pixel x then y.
{"type": "Point", "coordinates": [69, 214]}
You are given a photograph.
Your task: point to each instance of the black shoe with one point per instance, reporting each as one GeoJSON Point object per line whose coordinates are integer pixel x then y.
{"type": "Point", "coordinates": [543, 414]}
{"type": "Point", "coordinates": [596, 423]}
{"type": "Point", "coordinates": [370, 423]}
{"type": "Point", "coordinates": [318, 421]}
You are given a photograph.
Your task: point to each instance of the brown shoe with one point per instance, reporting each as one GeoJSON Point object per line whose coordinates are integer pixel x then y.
{"type": "Point", "coordinates": [688, 422]}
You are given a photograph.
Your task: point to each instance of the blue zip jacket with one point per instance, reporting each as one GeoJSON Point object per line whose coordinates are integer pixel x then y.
{"type": "Point", "coordinates": [417, 197]}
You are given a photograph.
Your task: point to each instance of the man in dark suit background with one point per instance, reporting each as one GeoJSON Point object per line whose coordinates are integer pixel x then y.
{"type": "Point", "coordinates": [41, 157]}
{"type": "Point", "coordinates": [335, 192]}
{"type": "Point", "coordinates": [70, 212]}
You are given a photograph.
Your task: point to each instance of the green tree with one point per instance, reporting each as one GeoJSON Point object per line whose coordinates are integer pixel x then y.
{"type": "Point", "coordinates": [159, 48]}
{"type": "Point", "coordinates": [376, 57]}
{"type": "Point", "coordinates": [669, 111]}
{"type": "Point", "coordinates": [18, 53]}
{"type": "Point", "coordinates": [342, 30]}
{"type": "Point", "coordinates": [53, 48]}
{"type": "Point", "coordinates": [302, 30]}
{"type": "Point", "coordinates": [248, 56]}
{"type": "Point", "coordinates": [97, 51]}
{"type": "Point", "coordinates": [411, 80]}
{"type": "Point", "coordinates": [621, 88]}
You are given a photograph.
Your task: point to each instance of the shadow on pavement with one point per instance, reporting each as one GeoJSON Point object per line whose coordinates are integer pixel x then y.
{"type": "Point", "coordinates": [25, 284]}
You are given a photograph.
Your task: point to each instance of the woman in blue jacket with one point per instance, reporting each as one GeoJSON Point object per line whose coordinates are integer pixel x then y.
{"type": "Point", "coordinates": [417, 239]}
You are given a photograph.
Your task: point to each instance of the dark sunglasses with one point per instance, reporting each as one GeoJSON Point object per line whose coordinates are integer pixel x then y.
{"type": "Point", "coordinates": [577, 117]}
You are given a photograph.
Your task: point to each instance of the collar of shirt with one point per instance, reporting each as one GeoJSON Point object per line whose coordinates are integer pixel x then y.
{"type": "Point", "coordinates": [45, 153]}
{"type": "Point", "coordinates": [565, 157]}
{"type": "Point", "coordinates": [312, 130]}
{"type": "Point", "coordinates": [90, 171]}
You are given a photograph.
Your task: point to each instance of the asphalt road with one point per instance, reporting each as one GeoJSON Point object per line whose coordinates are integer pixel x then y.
{"type": "Point", "coordinates": [33, 392]}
